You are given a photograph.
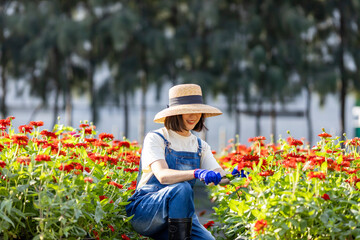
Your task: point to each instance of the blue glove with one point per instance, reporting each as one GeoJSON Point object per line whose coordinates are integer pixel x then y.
{"type": "Point", "coordinates": [235, 172]}
{"type": "Point", "coordinates": [207, 176]}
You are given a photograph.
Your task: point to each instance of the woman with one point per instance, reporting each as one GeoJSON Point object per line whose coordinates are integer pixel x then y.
{"type": "Point", "coordinates": [172, 159]}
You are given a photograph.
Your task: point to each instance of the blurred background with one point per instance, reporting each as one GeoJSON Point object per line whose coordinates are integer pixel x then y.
{"type": "Point", "coordinates": [270, 66]}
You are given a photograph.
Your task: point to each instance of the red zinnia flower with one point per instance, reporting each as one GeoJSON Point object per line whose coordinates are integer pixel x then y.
{"type": "Point", "coordinates": [209, 224]}
{"type": "Point", "coordinates": [81, 145]}
{"type": "Point", "coordinates": [120, 186]}
{"type": "Point", "coordinates": [90, 140]}
{"type": "Point", "coordinates": [111, 227]}
{"type": "Point", "coordinates": [88, 179]}
{"type": "Point", "coordinates": [103, 136]}
{"type": "Point", "coordinates": [20, 139]}
{"type": "Point", "coordinates": [43, 157]}
{"type": "Point", "coordinates": [100, 143]}
{"type": "Point", "coordinates": [294, 142]}
{"type": "Point", "coordinates": [325, 135]}
{"type": "Point", "coordinates": [124, 237]}
{"type": "Point", "coordinates": [267, 173]}
{"type": "Point", "coordinates": [84, 125]}
{"type": "Point", "coordinates": [37, 123]}
{"type": "Point", "coordinates": [325, 197]}
{"type": "Point", "coordinates": [318, 175]}
{"type": "Point", "coordinates": [25, 128]}
{"type": "Point", "coordinates": [259, 138]}
{"type": "Point", "coordinates": [2, 164]}
{"type": "Point", "coordinates": [260, 226]}
{"type": "Point", "coordinates": [121, 143]}
{"type": "Point", "coordinates": [23, 160]}
{"type": "Point", "coordinates": [48, 134]}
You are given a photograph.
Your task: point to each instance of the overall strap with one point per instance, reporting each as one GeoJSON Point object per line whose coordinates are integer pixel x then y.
{"type": "Point", "coordinates": [199, 146]}
{"type": "Point", "coordinates": [167, 143]}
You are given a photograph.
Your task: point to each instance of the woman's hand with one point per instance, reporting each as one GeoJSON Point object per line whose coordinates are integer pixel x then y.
{"type": "Point", "coordinates": [207, 176]}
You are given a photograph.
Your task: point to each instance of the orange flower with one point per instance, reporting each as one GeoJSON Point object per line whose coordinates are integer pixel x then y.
{"type": "Point", "coordinates": [260, 226]}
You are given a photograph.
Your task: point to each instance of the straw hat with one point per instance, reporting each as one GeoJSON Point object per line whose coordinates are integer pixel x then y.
{"type": "Point", "coordinates": [185, 99]}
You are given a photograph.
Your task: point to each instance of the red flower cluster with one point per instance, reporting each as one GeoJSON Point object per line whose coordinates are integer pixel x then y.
{"type": "Point", "coordinates": [106, 136]}
{"type": "Point", "coordinates": [260, 226]}
{"type": "Point", "coordinates": [21, 140]}
{"type": "Point", "coordinates": [255, 139]}
{"type": "Point", "coordinates": [37, 123]}
{"type": "Point", "coordinates": [42, 157]}
{"type": "Point", "coordinates": [325, 197]}
{"type": "Point", "coordinates": [120, 186]}
{"type": "Point", "coordinates": [209, 224]}
{"type": "Point", "coordinates": [72, 166]}
{"type": "Point", "coordinates": [325, 135]}
{"type": "Point", "coordinates": [318, 175]}
{"type": "Point", "coordinates": [2, 164]}
{"type": "Point", "coordinates": [23, 160]}
{"type": "Point", "coordinates": [294, 142]}
{"type": "Point", "coordinates": [124, 237]}
{"type": "Point", "coordinates": [25, 128]}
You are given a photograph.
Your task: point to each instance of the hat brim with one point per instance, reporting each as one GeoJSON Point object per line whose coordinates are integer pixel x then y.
{"type": "Point", "coordinates": [207, 110]}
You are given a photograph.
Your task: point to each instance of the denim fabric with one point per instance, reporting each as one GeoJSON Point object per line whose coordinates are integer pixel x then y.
{"type": "Point", "coordinates": [152, 204]}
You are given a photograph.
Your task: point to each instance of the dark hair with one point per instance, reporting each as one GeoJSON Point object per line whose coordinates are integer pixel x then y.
{"type": "Point", "coordinates": [176, 123]}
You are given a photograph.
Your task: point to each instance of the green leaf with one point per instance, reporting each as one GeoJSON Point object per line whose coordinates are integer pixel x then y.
{"type": "Point", "coordinates": [6, 218]}
{"type": "Point", "coordinates": [324, 218]}
{"type": "Point", "coordinates": [22, 188]}
{"type": "Point", "coordinates": [99, 213]}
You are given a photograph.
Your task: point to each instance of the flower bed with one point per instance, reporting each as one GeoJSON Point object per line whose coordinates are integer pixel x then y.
{"type": "Point", "coordinates": [290, 191]}
{"type": "Point", "coordinates": [65, 183]}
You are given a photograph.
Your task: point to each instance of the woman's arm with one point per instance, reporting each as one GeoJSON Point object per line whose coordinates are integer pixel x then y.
{"type": "Point", "coordinates": [165, 175]}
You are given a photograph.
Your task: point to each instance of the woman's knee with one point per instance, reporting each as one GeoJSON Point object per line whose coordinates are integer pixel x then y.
{"type": "Point", "coordinates": [183, 188]}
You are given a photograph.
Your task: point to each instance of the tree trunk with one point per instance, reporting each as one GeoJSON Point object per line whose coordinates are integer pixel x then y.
{"type": "Point", "coordinates": [258, 116]}
{"type": "Point", "coordinates": [55, 73]}
{"type": "Point", "coordinates": [93, 103]}
{"type": "Point", "coordinates": [342, 68]}
{"type": "Point", "coordinates": [237, 115]}
{"type": "Point", "coordinates": [68, 96]}
{"type": "Point", "coordinates": [273, 119]}
{"type": "Point", "coordinates": [126, 114]}
{"type": "Point", "coordinates": [308, 113]}
{"type": "Point", "coordinates": [3, 107]}
{"type": "Point", "coordinates": [56, 103]}
{"type": "Point", "coordinates": [142, 125]}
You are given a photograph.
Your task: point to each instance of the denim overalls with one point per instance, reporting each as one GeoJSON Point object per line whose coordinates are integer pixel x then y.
{"type": "Point", "coordinates": [154, 203]}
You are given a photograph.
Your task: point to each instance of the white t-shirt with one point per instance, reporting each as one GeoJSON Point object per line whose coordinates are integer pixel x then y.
{"type": "Point", "coordinates": [154, 149]}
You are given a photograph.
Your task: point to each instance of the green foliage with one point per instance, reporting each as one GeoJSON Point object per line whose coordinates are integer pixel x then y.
{"type": "Point", "coordinates": [299, 193]}
{"type": "Point", "coordinates": [80, 191]}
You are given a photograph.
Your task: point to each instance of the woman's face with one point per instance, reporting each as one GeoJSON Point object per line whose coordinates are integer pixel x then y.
{"type": "Point", "coordinates": [190, 120]}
